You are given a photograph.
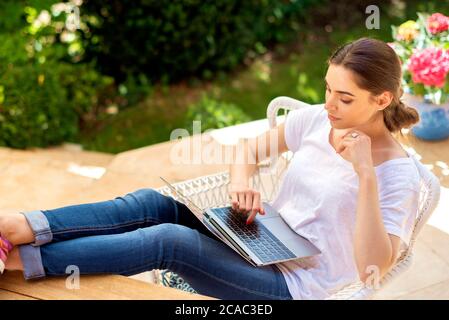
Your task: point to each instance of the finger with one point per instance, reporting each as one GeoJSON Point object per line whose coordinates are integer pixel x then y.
{"type": "Point", "coordinates": [241, 200]}
{"type": "Point", "coordinates": [251, 217]}
{"type": "Point", "coordinates": [235, 201]}
{"type": "Point", "coordinates": [256, 203]}
{"type": "Point", "coordinates": [249, 201]}
{"type": "Point", "coordinates": [348, 134]}
{"type": "Point", "coordinates": [341, 146]}
{"type": "Point", "coordinates": [255, 209]}
{"type": "Point", "coordinates": [360, 133]}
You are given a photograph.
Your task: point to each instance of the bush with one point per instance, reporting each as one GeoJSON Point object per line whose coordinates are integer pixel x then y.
{"type": "Point", "coordinates": [35, 110]}
{"type": "Point", "coordinates": [43, 105]}
{"type": "Point", "coordinates": [214, 114]}
{"type": "Point", "coordinates": [44, 97]}
{"type": "Point", "coordinates": [171, 40]}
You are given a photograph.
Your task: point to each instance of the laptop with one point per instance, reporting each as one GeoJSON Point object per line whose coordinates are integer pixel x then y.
{"type": "Point", "coordinates": [267, 240]}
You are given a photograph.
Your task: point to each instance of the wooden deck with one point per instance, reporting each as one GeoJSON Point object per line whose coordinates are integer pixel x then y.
{"type": "Point", "coordinates": [102, 287]}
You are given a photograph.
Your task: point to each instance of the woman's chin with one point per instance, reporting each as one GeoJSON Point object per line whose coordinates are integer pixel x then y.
{"type": "Point", "coordinates": [337, 126]}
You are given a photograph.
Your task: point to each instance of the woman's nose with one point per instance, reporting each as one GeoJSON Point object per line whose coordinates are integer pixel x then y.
{"type": "Point", "coordinates": [330, 102]}
{"type": "Point", "coordinates": [329, 105]}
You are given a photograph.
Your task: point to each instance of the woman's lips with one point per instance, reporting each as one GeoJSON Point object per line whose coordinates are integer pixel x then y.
{"type": "Point", "coordinates": [332, 118]}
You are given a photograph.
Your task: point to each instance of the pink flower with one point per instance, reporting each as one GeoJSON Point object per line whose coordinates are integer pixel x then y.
{"type": "Point", "coordinates": [437, 23]}
{"type": "Point", "coordinates": [430, 66]}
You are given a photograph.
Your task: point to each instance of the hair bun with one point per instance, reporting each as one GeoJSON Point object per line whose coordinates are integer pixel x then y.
{"type": "Point", "coordinates": [401, 116]}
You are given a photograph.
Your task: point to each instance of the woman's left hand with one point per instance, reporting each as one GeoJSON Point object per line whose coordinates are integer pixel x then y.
{"type": "Point", "coordinates": [355, 147]}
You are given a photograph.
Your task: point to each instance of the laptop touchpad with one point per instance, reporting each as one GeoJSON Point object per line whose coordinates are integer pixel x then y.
{"type": "Point", "coordinates": [279, 228]}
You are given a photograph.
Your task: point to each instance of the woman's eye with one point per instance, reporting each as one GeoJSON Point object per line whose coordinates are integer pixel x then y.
{"type": "Point", "coordinates": [346, 101]}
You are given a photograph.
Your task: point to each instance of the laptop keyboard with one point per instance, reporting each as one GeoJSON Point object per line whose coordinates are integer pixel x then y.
{"type": "Point", "coordinates": [255, 235]}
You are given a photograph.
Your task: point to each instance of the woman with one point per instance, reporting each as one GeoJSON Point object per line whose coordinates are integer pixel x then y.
{"type": "Point", "coordinates": [350, 189]}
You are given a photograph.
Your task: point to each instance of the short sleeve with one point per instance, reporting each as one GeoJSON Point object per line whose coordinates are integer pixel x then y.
{"type": "Point", "coordinates": [298, 122]}
{"type": "Point", "coordinates": [399, 206]}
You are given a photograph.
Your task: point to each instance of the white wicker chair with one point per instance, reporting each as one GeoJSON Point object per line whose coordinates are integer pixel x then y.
{"type": "Point", "coordinates": [212, 190]}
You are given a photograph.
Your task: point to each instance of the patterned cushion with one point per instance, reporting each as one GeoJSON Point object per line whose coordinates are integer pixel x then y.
{"type": "Point", "coordinates": [173, 280]}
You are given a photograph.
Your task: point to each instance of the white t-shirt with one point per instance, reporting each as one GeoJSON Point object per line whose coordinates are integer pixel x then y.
{"type": "Point", "coordinates": [318, 198]}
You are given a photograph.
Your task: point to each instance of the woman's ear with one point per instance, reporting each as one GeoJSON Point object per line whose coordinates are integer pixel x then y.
{"type": "Point", "coordinates": [384, 99]}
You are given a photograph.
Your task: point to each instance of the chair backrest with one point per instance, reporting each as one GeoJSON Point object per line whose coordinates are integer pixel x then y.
{"type": "Point", "coordinates": [430, 185]}
{"type": "Point", "coordinates": [428, 198]}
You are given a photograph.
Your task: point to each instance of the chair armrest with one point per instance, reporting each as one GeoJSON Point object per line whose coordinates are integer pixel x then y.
{"type": "Point", "coordinates": [212, 190]}
{"type": "Point", "coordinates": [360, 291]}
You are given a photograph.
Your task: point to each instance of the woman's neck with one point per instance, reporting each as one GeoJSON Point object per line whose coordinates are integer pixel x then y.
{"type": "Point", "coordinates": [376, 130]}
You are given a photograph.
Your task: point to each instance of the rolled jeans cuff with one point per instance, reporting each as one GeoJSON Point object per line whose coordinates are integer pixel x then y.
{"type": "Point", "coordinates": [40, 226]}
{"type": "Point", "coordinates": [31, 261]}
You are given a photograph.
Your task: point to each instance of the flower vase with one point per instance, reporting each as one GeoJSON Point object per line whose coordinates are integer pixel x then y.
{"type": "Point", "coordinates": [434, 119]}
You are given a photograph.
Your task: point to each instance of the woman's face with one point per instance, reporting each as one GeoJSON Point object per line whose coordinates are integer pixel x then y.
{"type": "Point", "coordinates": [352, 105]}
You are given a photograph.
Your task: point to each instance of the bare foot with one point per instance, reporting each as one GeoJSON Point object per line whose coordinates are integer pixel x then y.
{"type": "Point", "coordinates": [14, 262]}
{"type": "Point", "coordinates": [15, 228]}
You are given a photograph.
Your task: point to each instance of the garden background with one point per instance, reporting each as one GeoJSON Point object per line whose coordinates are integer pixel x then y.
{"type": "Point", "coordinates": [130, 72]}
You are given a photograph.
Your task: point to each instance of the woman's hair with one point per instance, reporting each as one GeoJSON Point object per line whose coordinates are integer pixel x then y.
{"type": "Point", "coordinates": [377, 68]}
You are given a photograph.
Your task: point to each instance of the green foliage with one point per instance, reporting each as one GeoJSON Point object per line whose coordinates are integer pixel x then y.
{"type": "Point", "coordinates": [44, 104]}
{"type": "Point", "coordinates": [45, 97]}
{"type": "Point", "coordinates": [214, 114]}
{"type": "Point", "coordinates": [57, 79]}
{"type": "Point", "coordinates": [172, 40]}
{"type": "Point", "coordinates": [35, 109]}
{"type": "Point", "coordinates": [134, 89]}
{"type": "Point", "coordinates": [152, 121]}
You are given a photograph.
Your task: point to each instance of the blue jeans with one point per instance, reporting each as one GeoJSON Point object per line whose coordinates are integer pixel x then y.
{"type": "Point", "coordinates": [138, 232]}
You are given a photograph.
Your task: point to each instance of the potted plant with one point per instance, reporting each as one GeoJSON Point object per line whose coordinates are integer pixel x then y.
{"type": "Point", "coordinates": [423, 47]}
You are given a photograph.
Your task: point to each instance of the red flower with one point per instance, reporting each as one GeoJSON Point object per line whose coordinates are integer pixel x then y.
{"type": "Point", "coordinates": [429, 66]}
{"type": "Point", "coordinates": [437, 23]}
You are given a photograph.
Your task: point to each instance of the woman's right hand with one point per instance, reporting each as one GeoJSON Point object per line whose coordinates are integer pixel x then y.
{"type": "Point", "coordinates": [245, 201]}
